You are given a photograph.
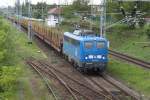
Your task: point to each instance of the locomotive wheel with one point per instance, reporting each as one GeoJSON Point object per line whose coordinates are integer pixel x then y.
{"type": "Point", "coordinates": [66, 57]}
{"type": "Point", "coordinates": [80, 69]}
{"type": "Point", "coordinates": [85, 70]}
{"type": "Point", "coordinates": [102, 70]}
{"type": "Point", "coordinates": [75, 65]}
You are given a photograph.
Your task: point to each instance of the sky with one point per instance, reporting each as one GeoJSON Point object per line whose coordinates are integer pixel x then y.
{"type": "Point", "coordinates": [5, 3]}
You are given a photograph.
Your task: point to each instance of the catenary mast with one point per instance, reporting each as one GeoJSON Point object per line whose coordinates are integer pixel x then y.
{"type": "Point", "coordinates": [29, 22]}
{"type": "Point", "coordinates": [103, 18]}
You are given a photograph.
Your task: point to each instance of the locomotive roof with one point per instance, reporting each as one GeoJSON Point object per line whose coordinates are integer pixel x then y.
{"type": "Point", "coordinates": [83, 38]}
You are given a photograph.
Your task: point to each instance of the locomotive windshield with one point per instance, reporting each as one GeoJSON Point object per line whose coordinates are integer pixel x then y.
{"type": "Point", "coordinates": [88, 45]}
{"type": "Point", "coordinates": [100, 44]}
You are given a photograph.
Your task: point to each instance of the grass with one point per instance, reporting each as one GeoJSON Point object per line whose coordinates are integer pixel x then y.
{"type": "Point", "coordinates": [23, 88]}
{"type": "Point", "coordinates": [25, 50]}
{"type": "Point", "coordinates": [134, 76]}
{"type": "Point", "coordinates": [127, 41]}
{"type": "Point", "coordinates": [32, 87]}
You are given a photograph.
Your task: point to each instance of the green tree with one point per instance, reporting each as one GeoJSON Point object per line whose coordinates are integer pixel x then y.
{"type": "Point", "coordinates": [81, 5]}
{"type": "Point", "coordinates": [25, 9]}
{"type": "Point", "coordinates": [77, 6]}
{"type": "Point", "coordinates": [39, 9]}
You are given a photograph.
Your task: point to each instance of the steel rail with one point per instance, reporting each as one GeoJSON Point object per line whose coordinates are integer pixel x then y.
{"type": "Point", "coordinates": [76, 81]}
{"type": "Point", "coordinates": [104, 89]}
{"type": "Point", "coordinates": [60, 80]}
{"type": "Point", "coordinates": [44, 79]}
{"type": "Point", "coordinates": [130, 59]}
{"type": "Point", "coordinates": [123, 88]}
{"type": "Point", "coordinates": [87, 98]}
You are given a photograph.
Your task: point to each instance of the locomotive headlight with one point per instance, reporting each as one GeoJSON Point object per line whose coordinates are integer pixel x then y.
{"type": "Point", "coordinates": [103, 57]}
{"type": "Point", "coordinates": [91, 56]}
{"type": "Point", "coordinates": [86, 57]}
{"type": "Point", "coordinates": [99, 56]}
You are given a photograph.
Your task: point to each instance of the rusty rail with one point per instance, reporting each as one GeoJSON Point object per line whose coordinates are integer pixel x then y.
{"type": "Point", "coordinates": [134, 95]}
{"type": "Point", "coordinates": [43, 78]}
{"type": "Point", "coordinates": [130, 59]}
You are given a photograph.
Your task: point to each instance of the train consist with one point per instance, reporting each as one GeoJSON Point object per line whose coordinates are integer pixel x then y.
{"type": "Point", "coordinates": [83, 48]}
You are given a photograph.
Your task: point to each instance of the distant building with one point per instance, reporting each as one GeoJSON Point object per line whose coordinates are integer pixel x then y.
{"type": "Point", "coordinates": [54, 16]}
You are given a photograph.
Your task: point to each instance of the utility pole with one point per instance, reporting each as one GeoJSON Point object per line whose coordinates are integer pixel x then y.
{"type": "Point", "coordinates": [92, 15]}
{"type": "Point", "coordinates": [30, 35]}
{"type": "Point", "coordinates": [18, 13]}
{"type": "Point", "coordinates": [7, 11]}
{"type": "Point", "coordinates": [66, 3]}
{"type": "Point", "coordinates": [103, 18]}
{"type": "Point", "coordinates": [42, 11]}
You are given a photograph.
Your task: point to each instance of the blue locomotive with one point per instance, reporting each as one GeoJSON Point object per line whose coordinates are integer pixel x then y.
{"type": "Point", "coordinates": [86, 50]}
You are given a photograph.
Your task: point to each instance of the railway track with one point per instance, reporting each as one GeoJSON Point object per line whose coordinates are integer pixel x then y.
{"type": "Point", "coordinates": [43, 78]}
{"type": "Point", "coordinates": [38, 68]}
{"type": "Point", "coordinates": [130, 59]}
{"type": "Point", "coordinates": [91, 93]}
{"type": "Point", "coordinates": [124, 92]}
{"type": "Point", "coordinates": [129, 92]}
{"type": "Point", "coordinates": [95, 82]}
{"type": "Point", "coordinates": [87, 92]}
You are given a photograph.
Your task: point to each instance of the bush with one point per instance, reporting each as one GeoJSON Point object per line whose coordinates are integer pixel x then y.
{"type": "Point", "coordinates": [8, 71]}
{"type": "Point", "coordinates": [3, 51]}
{"type": "Point", "coordinates": [8, 80]}
{"type": "Point", "coordinates": [119, 28]}
{"type": "Point", "coordinates": [6, 42]}
{"type": "Point", "coordinates": [147, 31]}
{"type": "Point", "coordinates": [8, 76]}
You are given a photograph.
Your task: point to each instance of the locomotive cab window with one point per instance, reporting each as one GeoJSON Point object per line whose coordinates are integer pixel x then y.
{"type": "Point", "coordinates": [100, 44]}
{"type": "Point", "coordinates": [88, 45]}
{"type": "Point", "coordinates": [71, 41]}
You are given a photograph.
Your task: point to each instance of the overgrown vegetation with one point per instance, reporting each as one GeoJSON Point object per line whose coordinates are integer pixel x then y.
{"type": "Point", "coordinates": [8, 69]}
{"type": "Point", "coordinates": [114, 7]}
{"type": "Point", "coordinates": [147, 31]}
{"type": "Point", "coordinates": [133, 76]}
{"type": "Point", "coordinates": [134, 42]}
{"type": "Point", "coordinates": [14, 49]}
